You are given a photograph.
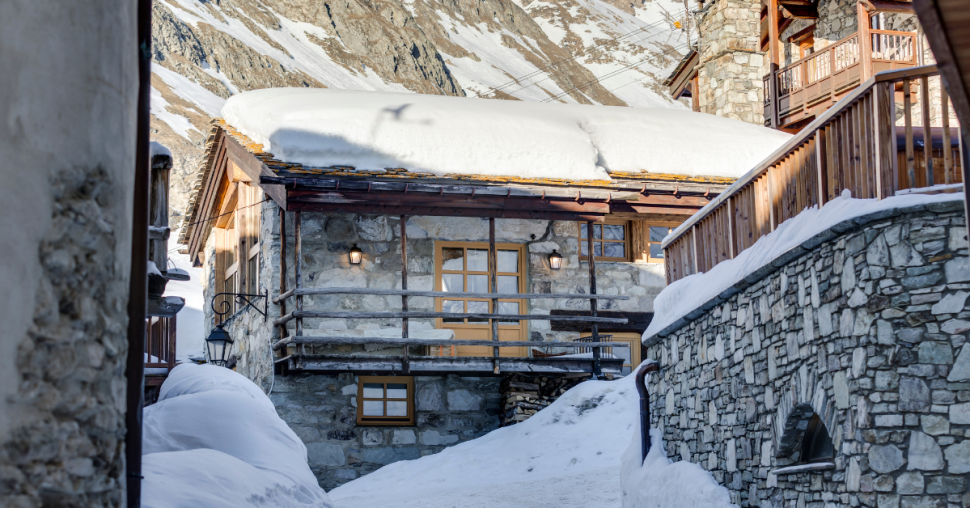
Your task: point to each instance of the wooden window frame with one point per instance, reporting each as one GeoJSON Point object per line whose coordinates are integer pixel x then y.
{"type": "Point", "coordinates": [439, 271]}
{"type": "Point", "coordinates": [627, 243]}
{"type": "Point", "coordinates": [383, 421]}
{"type": "Point", "coordinates": [241, 241]}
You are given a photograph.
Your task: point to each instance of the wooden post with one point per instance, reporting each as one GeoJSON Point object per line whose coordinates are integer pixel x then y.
{"type": "Point", "coordinates": [865, 42]}
{"type": "Point", "coordinates": [298, 271]}
{"type": "Point", "coordinates": [695, 95]}
{"type": "Point", "coordinates": [493, 281]}
{"type": "Point", "coordinates": [908, 118]}
{"type": "Point", "coordinates": [730, 226]}
{"type": "Point", "coordinates": [947, 149]}
{"type": "Point", "coordinates": [693, 241]}
{"type": "Point", "coordinates": [924, 92]}
{"type": "Point", "coordinates": [821, 168]}
{"type": "Point", "coordinates": [405, 361]}
{"type": "Point", "coordinates": [773, 62]}
{"type": "Point", "coordinates": [597, 370]}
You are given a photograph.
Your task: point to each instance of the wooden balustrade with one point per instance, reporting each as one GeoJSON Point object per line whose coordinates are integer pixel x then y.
{"type": "Point", "coordinates": [160, 343]}
{"type": "Point", "coordinates": [856, 146]}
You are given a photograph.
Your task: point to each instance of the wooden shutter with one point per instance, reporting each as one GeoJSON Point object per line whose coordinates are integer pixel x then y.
{"type": "Point", "coordinates": [639, 246]}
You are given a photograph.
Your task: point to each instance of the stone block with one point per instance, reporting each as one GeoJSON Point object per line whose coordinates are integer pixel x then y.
{"type": "Point", "coordinates": [924, 453]}
{"type": "Point", "coordinates": [909, 483]}
{"type": "Point", "coordinates": [946, 485]}
{"type": "Point", "coordinates": [936, 353]}
{"type": "Point", "coordinates": [914, 395]}
{"type": "Point", "coordinates": [325, 454]}
{"type": "Point", "coordinates": [403, 437]}
{"type": "Point", "coordinates": [388, 454]}
{"type": "Point", "coordinates": [464, 400]}
{"type": "Point", "coordinates": [957, 270]}
{"type": "Point", "coordinates": [960, 413]}
{"type": "Point", "coordinates": [429, 397]}
{"type": "Point", "coordinates": [372, 437]}
{"type": "Point", "coordinates": [935, 425]}
{"type": "Point", "coordinates": [951, 303]}
{"type": "Point", "coordinates": [885, 458]}
{"type": "Point", "coordinates": [435, 438]}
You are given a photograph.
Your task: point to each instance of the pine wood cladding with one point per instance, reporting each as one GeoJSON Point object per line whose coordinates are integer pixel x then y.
{"type": "Point", "coordinates": [236, 236]}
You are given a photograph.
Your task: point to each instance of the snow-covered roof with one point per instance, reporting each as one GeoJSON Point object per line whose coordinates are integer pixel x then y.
{"type": "Point", "coordinates": [465, 136]}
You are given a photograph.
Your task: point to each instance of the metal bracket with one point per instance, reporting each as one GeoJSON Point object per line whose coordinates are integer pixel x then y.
{"type": "Point", "coordinates": [245, 298]}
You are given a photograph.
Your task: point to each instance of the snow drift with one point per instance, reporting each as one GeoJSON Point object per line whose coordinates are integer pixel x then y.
{"type": "Point", "coordinates": [458, 135]}
{"type": "Point", "coordinates": [214, 440]}
{"type": "Point", "coordinates": [659, 483]}
{"type": "Point", "coordinates": [689, 293]}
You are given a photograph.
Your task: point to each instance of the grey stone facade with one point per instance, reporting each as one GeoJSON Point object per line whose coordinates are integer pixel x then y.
{"type": "Point", "coordinates": [322, 410]}
{"type": "Point", "coordinates": [67, 156]}
{"type": "Point", "coordinates": [729, 70]}
{"type": "Point", "coordinates": [866, 329]}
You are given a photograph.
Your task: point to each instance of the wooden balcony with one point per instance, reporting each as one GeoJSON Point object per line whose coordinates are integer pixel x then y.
{"type": "Point", "coordinates": [159, 349]}
{"type": "Point", "coordinates": [857, 145]}
{"type": "Point", "coordinates": [807, 88]}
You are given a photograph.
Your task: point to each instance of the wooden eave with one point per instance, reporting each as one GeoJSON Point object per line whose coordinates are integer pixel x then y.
{"type": "Point", "coordinates": [401, 192]}
{"type": "Point", "coordinates": [680, 79]}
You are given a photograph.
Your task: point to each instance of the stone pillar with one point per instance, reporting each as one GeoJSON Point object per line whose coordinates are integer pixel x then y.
{"type": "Point", "coordinates": [729, 70]}
{"type": "Point", "coordinates": [68, 95]}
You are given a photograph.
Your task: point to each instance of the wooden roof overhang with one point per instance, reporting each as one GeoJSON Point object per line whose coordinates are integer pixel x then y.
{"type": "Point", "coordinates": [679, 81]}
{"type": "Point", "coordinates": [230, 156]}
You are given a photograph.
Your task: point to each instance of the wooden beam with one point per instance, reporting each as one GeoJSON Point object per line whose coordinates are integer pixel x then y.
{"type": "Point", "coordinates": [388, 341]}
{"type": "Point", "coordinates": [873, 6]}
{"type": "Point", "coordinates": [298, 271]}
{"type": "Point", "coordinates": [404, 287]}
{"type": "Point", "coordinates": [434, 211]}
{"type": "Point", "coordinates": [924, 96]}
{"type": "Point", "coordinates": [301, 314]}
{"type": "Point", "coordinates": [442, 294]}
{"type": "Point", "coordinates": [493, 283]}
{"type": "Point", "coordinates": [591, 260]}
{"type": "Point", "coordinates": [444, 365]}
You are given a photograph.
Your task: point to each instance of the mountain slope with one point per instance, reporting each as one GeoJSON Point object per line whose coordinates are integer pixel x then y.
{"type": "Point", "coordinates": [577, 51]}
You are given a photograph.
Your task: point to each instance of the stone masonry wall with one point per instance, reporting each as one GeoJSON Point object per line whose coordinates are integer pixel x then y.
{"type": "Point", "coordinates": [868, 330]}
{"type": "Point", "coordinates": [322, 410]}
{"type": "Point", "coordinates": [68, 91]}
{"type": "Point", "coordinates": [729, 69]}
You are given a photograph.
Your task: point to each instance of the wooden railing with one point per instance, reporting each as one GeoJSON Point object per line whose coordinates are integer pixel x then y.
{"type": "Point", "coordinates": [808, 87]}
{"type": "Point", "coordinates": [160, 343]}
{"type": "Point", "coordinates": [853, 146]}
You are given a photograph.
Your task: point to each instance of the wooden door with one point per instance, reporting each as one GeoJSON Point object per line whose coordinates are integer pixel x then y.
{"type": "Point", "coordinates": [463, 267]}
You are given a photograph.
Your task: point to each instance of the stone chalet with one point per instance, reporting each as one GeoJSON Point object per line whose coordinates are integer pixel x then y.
{"type": "Point", "coordinates": [382, 340]}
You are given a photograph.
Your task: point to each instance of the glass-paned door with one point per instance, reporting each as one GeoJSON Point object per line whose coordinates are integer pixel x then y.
{"type": "Point", "coordinates": [463, 267]}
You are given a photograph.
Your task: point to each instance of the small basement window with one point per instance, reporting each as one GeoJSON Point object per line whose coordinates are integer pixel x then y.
{"type": "Point", "coordinates": [817, 444]}
{"type": "Point", "coordinates": [385, 400]}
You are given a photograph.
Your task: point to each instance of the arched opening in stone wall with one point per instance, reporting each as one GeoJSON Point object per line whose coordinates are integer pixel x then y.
{"type": "Point", "coordinates": [817, 443]}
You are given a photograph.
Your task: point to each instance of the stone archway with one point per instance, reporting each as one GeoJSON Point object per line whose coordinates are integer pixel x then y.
{"type": "Point", "coordinates": [804, 398]}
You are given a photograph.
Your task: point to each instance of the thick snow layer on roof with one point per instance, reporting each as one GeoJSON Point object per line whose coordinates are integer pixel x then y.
{"type": "Point", "coordinates": [659, 483]}
{"type": "Point", "coordinates": [566, 456]}
{"type": "Point", "coordinates": [214, 439]}
{"type": "Point", "coordinates": [457, 135]}
{"type": "Point", "coordinates": [689, 293]}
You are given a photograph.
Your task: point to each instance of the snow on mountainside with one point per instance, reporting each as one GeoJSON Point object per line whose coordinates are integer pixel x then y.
{"type": "Point", "coordinates": [613, 52]}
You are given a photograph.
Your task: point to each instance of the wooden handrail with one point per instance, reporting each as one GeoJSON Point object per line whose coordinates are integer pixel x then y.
{"type": "Point", "coordinates": [434, 315]}
{"type": "Point", "coordinates": [360, 341]}
{"type": "Point", "coordinates": [812, 167]}
{"type": "Point", "coordinates": [440, 294]}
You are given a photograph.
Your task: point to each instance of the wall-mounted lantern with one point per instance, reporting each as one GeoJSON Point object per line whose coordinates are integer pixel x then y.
{"type": "Point", "coordinates": [555, 260]}
{"type": "Point", "coordinates": [356, 255]}
{"type": "Point", "coordinates": [219, 345]}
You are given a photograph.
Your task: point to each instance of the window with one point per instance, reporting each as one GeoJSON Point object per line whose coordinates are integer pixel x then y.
{"type": "Point", "coordinates": [385, 400]}
{"type": "Point", "coordinates": [464, 268]}
{"type": "Point", "coordinates": [817, 444]}
{"type": "Point", "coordinates": [237, 244]}
{"type": "Point", "coordinates": [609, 241]}
{"type": "Point", "coordinates": [655, 237]}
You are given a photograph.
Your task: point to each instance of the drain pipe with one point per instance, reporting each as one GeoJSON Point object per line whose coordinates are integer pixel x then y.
{"type": "Point", "coordinates": [644, 408]}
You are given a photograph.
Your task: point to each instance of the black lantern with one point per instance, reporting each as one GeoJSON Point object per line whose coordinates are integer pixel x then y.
{"type": "Point", "coordinates": [219, 344]}
{"type": "Point", "coordinates": [356, 255]}
{"type": "Point", "coordinates": [555, 260]}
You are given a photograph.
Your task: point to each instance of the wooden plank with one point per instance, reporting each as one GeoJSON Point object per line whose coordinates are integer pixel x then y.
{"type": "Point", "coordinates": [924, 92]}
{"type": "Point", "coordinates": [591, 260]}
{"type": "Point", "coordinates": [947, 149]}
{"type": "Point", "coordinates": [493, 276]}
{"type": "Point", "coordinates": [442, 365]}
{"type": "Point", "coordinates": [404, 287]}
{"type": "Point", "coordinates": [297, 271]}
{"type": "Point", "coordinates": [908, 119]}
{"type": "Point", "coordinates": [433, 211]}
{"type": "Point", "coordinates": [637, 322]}
{"type": "Point", "coordinates": [446, 294]}
{"type": "Point", "coordinates": [389, 341]}
{"type": "Point", "coordinates": [299, 315]}
{"type": "Point", "coordinates": [281, 300]}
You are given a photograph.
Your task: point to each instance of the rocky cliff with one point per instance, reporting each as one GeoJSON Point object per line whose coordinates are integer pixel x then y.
{"type": "Point", "coordinates": [612, 52]}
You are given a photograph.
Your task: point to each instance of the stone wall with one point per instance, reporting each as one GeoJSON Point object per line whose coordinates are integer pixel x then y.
{"type": "Point", "coordinates": [328, 237]}
{"type": "Point", "coordinates": [868, 331]}
{"type": "Point", "coordinates": [67, 94]}
{"type": "Point", "coordinates": [729, 70]}
{"type": "Point", "coordinates": [322, 410]}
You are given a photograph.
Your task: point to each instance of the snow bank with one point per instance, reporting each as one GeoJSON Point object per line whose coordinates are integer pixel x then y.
{"type": "Point", "coordinates": [660, 483]}
{"type": "Point", "coordinates": [564, 456]}
{"type": "Point", "coordinates": [214, 440]}
{"type": "Point", "coordinates": [456, 135]}
{"type": "Point", "coordinates": [156, 148]}
{"type": "Point", "coordinates": [689, 293]}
